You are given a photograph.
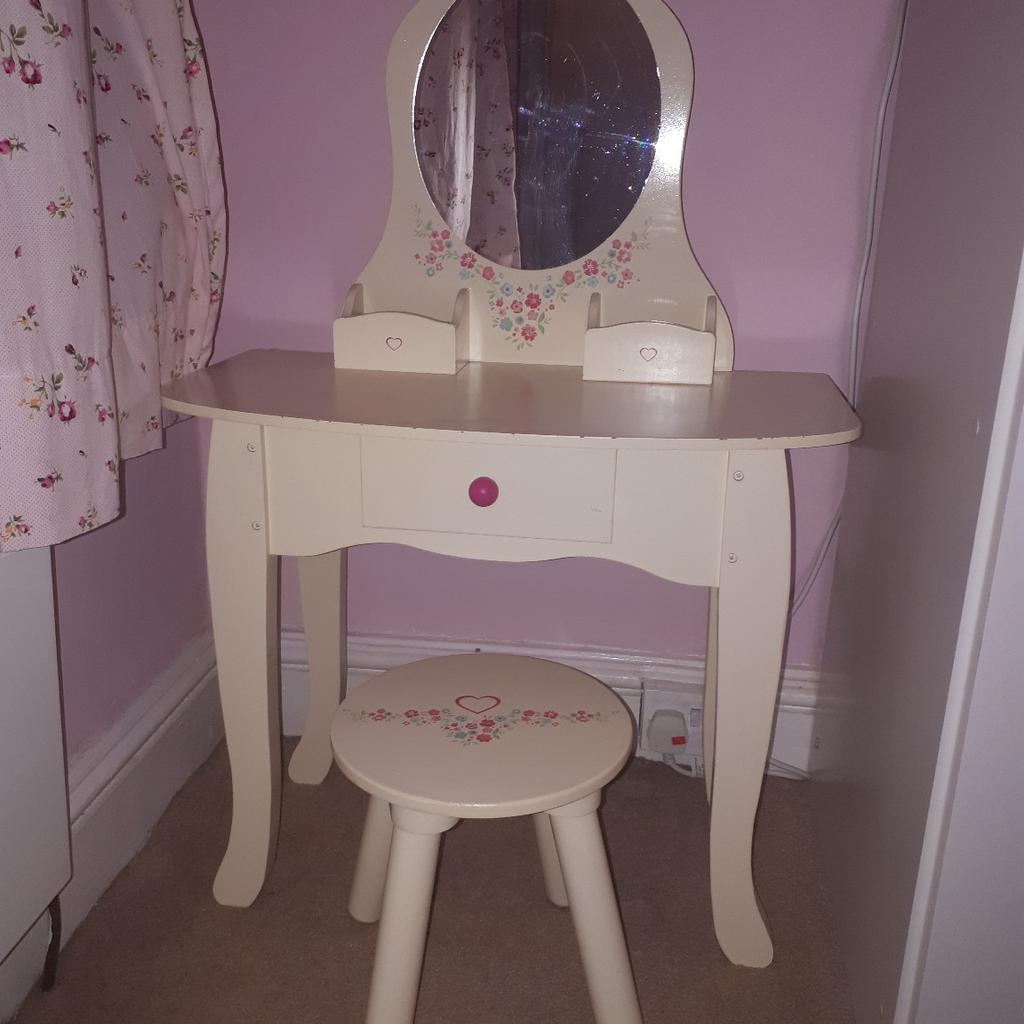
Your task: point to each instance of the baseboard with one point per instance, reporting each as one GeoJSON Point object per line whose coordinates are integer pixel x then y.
{"type": "Point", "coordinates": [118, 790]}
{"type": "Point", "coordinates": [646, 683]}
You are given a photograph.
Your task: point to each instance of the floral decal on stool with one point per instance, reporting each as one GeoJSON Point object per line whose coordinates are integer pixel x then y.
{"type": "Point", "coordinates": [469, 727]}
{"type": "Point", "coordinates": [523, 312]}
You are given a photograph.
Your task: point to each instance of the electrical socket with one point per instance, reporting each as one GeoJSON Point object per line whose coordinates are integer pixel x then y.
{"type": "Point", "coordinates": [655, 701]}
{"type": "Point", "coordinates": [668, 733]}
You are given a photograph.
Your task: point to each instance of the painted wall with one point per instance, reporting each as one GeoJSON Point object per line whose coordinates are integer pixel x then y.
{"type": "Point", "coordinates": [949, 249]}
{"type": "Point", "coordinates": [972, 969]}
{"type": "Point", "coordinates": [130, 594]}
{"type": "Point", "coordinates": [776, 180]}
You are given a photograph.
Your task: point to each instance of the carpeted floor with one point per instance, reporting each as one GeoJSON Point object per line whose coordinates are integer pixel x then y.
{"type": "Point", "coordinates": [157, 948]}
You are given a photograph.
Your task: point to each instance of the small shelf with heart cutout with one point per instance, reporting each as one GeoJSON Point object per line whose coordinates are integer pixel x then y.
{"type": "Point", "coordinates": [649, 351]}
{"type": "Point", "coordinates": [408, 342]}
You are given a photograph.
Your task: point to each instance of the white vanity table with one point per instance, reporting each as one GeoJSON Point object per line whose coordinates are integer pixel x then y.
{"type": "Point", "coordinates": [502, 450]}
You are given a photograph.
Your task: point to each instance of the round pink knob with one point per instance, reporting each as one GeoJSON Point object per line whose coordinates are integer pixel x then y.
{"type": "Point", "coordinates": [483, 491]}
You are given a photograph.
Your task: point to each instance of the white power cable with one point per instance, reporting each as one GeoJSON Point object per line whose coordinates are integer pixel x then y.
{"type": "Point", "coordinates": [819, 560]}
{"type": "Point", "coordinates": [855, 324]}
{"type": "Point", "coordinates": [872, 206]}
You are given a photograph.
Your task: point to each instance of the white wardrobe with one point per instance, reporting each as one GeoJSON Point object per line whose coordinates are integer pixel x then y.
{"type": "Point", "coordinates": [35, 848]}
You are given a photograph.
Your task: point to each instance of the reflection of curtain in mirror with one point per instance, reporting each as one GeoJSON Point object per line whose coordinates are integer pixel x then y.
{"type": "Point", "coordinates": [465, 129]}
{"type": "Point", "coordinates": [548, 130]}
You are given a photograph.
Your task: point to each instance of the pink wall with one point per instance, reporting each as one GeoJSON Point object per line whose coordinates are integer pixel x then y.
{"type": "Point", "coordinates": [776, 179]}
{"type": "Point", "coordinates": [130, 594]}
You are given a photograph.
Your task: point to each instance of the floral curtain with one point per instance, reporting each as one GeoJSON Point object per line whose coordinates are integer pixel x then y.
{"type": "Point", "coordinates": [111, 254]}
{"type": "Point", "coordinates": [465, 127]}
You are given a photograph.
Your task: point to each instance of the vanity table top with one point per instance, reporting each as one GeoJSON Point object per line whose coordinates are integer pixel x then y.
{"type": "Point", "coordinates": [745, 409]}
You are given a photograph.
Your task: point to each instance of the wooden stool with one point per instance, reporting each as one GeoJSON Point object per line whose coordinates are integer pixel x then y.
{"type": "Point", "coordinates": [483, 736]}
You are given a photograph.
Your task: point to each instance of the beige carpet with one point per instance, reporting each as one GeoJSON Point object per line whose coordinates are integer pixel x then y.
{"type": "Point", "coordinates": [158, 949]}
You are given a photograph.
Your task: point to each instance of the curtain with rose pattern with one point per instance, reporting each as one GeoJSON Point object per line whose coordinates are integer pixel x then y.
{"type": "Point", "coordinates": [112, 222]}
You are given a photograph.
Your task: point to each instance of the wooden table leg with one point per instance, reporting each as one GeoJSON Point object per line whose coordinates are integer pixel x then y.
{"type": "Point", "coordinates": [707, 720]}
{"type": "Point", "coordinates": [753, 602]}
{"type": "Point", "coordinates": [243, 601]}
{"type": "Point", "coordinates": [322, 580]}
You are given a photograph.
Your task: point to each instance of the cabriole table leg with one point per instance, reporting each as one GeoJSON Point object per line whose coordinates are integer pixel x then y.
{"type": "Point", "coordinates": [322, 587]}
{"type": "Point", "coordinates": [752, 610]}
{"type": "Point", "coordinates": [243, 603]}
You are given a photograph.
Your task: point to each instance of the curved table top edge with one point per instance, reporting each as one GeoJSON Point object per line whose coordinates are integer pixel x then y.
{"type": "Point", "coordinates": [519, 404]}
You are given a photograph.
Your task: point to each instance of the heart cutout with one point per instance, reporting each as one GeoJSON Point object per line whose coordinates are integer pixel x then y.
{"type": "Point", "coordinates": [393, 343]}
{"type": "Point", "coordinates": [477, 705]}
{"type": "Point", "coordinates": [647, 354]}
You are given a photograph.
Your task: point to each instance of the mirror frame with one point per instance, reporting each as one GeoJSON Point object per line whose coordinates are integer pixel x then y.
{"type": "Point", "coordinates": [666, 283]}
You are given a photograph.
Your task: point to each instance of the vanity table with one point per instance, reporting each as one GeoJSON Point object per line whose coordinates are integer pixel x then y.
{"type": "Point", "coordinates": [607, 424]}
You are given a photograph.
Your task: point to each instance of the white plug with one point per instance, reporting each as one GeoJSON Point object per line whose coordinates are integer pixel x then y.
{"type": "Point", "coordinates": [668, 733]}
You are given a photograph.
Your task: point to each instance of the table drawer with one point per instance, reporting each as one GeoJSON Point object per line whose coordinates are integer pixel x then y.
{"type": "Point", "coordinates": [544, 492]}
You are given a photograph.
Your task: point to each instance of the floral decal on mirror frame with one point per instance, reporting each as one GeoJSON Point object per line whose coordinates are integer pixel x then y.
{"type": "Point", "coordinates": [466, 729]}
{"type": "Point", "coordinates": [523, 312]}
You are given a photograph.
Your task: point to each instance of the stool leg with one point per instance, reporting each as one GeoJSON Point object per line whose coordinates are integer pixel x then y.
{"type": "Point", "coordinates": [364, 901]}
{"type": "Point", "coordinates": [403, 925]}
{"type": "Point", "coordinates": [595, 912]}
{"type": "Point", "coordinates": [554, 883]}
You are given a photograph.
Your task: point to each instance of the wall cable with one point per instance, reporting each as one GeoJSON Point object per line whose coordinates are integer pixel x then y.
{"type": "Point", "coordinates": [854, 361]}
{"type": "Point", "coordinates": [872, 205]}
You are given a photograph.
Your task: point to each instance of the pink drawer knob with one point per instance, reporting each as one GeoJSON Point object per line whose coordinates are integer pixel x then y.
{"type": "Point", "coordinates": [483, 491]}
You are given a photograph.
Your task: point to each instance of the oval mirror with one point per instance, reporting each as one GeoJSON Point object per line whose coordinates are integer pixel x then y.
{"type": "Point", "coordinates": [534, 132]}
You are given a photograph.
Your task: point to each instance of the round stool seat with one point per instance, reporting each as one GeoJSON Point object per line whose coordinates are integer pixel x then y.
{"type": "Point", "coordinates": [482, 735]}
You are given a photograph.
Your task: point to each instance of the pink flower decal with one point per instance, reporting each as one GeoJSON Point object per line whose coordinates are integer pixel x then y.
{"type": "Point", "coordinates": [523, 309]}
{"type": "Point", "coordinates": [103, 82]}
{"type": "Point", "coordinates": [9, 65]}
{"type": "Point", "coordinates": [192, 69]}
{"type": "Point", "coordinates": [462, 729]}
{"type": "Point", "coordinates": [66, 411]}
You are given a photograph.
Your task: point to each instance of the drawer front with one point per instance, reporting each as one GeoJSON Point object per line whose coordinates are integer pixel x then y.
{"type": "Point", "coordinates": [547, 493]}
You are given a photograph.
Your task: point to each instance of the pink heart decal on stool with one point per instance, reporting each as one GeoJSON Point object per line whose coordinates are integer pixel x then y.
{"type": "Point", "coordinates": [647, 354]}
{"type": "Point", "coordinates": [393, 343]}
{"type": "Point", "coordinates": [477, 705]}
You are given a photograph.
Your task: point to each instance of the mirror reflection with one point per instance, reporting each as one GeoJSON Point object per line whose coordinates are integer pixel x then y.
{"type": "Point", "coordinates": [534, 132]}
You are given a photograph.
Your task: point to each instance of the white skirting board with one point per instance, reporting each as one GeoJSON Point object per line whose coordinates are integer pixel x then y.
{"type": "Point", "coordinates": [118, 790]}
{"type": "Point", "coordinates": [663, 682]}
